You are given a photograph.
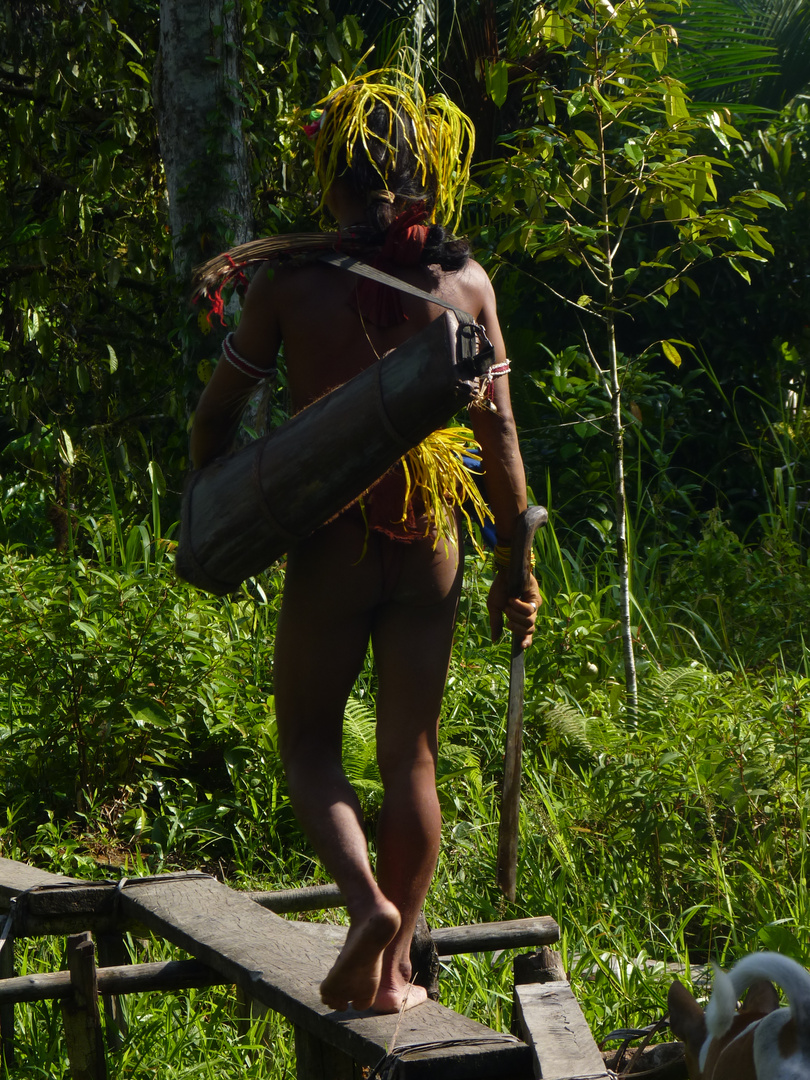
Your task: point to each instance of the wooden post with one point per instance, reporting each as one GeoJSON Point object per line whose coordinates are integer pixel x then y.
{"type": "Point", "coordinates": [83, 1035]}
{"type": "Point", "coordinates": [248, 1010]}
{"type": "Point", "coordinates": [542, 966]}
{"type": "Point", "coordinates": [424, 958]}
{"type": "Point", "coordinates": [316, 1060]}
{"type": "Point", "coordinates": [7, 1009]}
{"type": "Point", "coordinates": [112, 952]}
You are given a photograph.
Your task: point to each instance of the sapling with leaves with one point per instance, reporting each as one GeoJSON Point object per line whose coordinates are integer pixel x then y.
{"type": "Point", "coordinates": [613, 177]}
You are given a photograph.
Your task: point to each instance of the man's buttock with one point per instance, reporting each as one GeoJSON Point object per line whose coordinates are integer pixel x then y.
{"type": "Point", "coordinates": [361, 568]}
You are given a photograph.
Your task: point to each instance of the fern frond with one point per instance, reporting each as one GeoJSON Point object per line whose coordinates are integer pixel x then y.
{"type": "Point", "coordinates": [360, 746]}
{"type": "Point", "coordinates": [567, 724]}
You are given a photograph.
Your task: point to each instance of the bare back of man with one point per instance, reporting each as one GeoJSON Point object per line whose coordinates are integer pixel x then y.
{"type": "Point", "coordinates": [347, 587]}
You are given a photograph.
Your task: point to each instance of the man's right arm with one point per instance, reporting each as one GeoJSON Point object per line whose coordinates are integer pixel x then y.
{"type": "Point", "coordinates": [256, 341]}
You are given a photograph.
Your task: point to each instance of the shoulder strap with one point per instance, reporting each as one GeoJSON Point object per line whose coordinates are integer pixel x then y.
{"type": "Point", "coordinates": [356, 266]}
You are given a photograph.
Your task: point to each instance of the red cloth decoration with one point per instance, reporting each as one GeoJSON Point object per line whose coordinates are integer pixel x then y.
{"type": "Point", "coordinates": [406, 237]}
{"type": "Point", "coordinates": [404, 245]}
{"type": "Point", "coordinates": [217, 304]}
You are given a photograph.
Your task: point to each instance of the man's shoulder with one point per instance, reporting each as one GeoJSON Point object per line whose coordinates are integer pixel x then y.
{"type": "Point", "coordinates": [282, 284]}
{"type": "Point", "coordinates": [473, 277]}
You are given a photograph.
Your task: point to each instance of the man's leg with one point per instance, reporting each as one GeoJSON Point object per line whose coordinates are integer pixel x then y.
{"type": "Point", "coordinates": [412, 639]}
{"type": "Point", "coordinates": [321, 644]}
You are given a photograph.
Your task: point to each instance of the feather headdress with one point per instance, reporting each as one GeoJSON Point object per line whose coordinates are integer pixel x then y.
{"type": "Point", "coordinates": [439, 135]}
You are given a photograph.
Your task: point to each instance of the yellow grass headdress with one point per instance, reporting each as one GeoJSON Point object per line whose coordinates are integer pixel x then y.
{"type": "Point", "coordinates": [437, 133]}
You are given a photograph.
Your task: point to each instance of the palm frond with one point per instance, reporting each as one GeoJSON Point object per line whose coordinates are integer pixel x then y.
{"type": "Point", "coordinates": [754, 56]}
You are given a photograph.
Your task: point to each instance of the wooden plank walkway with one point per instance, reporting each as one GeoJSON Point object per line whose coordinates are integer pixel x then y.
{"type": "Point", "coordinates": [16, 877]}
{"type": "Point", "coordinates": [550, 1019]}
{"type": "Point", "coordinates": [281, 964]}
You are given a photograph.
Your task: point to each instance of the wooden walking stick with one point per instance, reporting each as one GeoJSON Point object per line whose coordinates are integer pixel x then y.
{"type": "Point", "coordinates": [519, 570]}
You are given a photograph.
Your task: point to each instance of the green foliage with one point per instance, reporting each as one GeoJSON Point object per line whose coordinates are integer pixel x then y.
{"type": "Point", "coordinates": [137, 722]}
{"type": "Point", "coordinates": [129, 700]}
{"type": "Point", "coordinates": [85, 350]}
{"type": "Point", "coordinates": [739, 600]}
{"type": "Point", "coordinates": [89, 337]}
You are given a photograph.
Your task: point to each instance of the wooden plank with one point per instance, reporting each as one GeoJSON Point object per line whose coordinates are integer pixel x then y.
{"type": "Point", "coordinates": [6, 1008]}
{"type": "Point", "coordinates": [71, 906]}
{"type": "Point", "coordinates": [83, 1035]}
{"type": "Point", "coordinates": [112, 952]}
{"type": "Point", "coordinates": [281, 965]}
{"type": "Point", "coordinates": [116, 980]}
{"type": "Point", "coordinates": [68, 908]}
{"type": "Point", "coordinates": [309, 898]}
{"type": "Point", "coordinates": [542, 966]}
{"type": "Point", "coordinates": [455, 940]}
{"type": "Point", "coordinates": [316, 1060]}
{"type": "Point", "coordinates": [16, 877]}
{"type": "Point", "coordinates": [485, 937]}
{"type": "Point", "coordinates": [550, 1020]}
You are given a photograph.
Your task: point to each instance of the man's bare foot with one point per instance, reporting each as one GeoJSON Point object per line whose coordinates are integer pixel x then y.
{"type": "Point", "coordinates": [390, 1000]}
{"type": "Point", "coordinates": [355, 975]}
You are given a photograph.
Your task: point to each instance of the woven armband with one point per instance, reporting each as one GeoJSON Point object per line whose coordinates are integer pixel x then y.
{"type": "Point", "coordinates": [241, 364]}
{"type": "Point", "coordinates": [485, 398]}
{"type": "Point", "coordinates": [502, 556]}
{"type": "Point", "coordinates": [499, 369]}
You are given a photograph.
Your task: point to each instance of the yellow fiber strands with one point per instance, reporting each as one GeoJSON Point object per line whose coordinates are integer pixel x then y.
{"type": "Point", "coordinates": [440, 136]}
{"type": "Point", "coordinates": [436, 467]}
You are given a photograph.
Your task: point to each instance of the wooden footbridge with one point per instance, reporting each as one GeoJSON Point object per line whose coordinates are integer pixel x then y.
{"type": "Point", "coordinates": [241, 939]}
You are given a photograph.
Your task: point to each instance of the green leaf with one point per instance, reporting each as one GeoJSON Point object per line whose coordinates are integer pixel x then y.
{"type": "Point", "coordinates": [581, 180]}
{"type": "Point", "coordinates": [113, 359]}
{"type": "Point", "coordinates": [140, 71]}
{"type": "Point", "coordinates": [554, 28]}
{"type": "Point", "coordinates": [333, 47]}
{"type": "Point", "coordinates": [658, 49]}
{"type": "Point", "coordinates": [586, 140]}
{"type": "Point", "coordinates": [578, 102]}
{"type": "Point", "coordinates": [671, 353]}
{"type": "Point", "coordinates": [547, 103]}
{"type": "Point", "coordinates": [741, 270]}
{"type": "Point", "coordinates": [129, 41]}
{"type": "Point", "coordinates": [497, 79]}
{"type": "Point", "coordinates": [675, 105]}
{"type": "Point", "coordinates": [66, 451]}
{"type": "Point", "coordinates": [157, 478]}
{"type": "Point", "coordinates": [146, 712]}
{"type": "Point", "coordinates": [762, 197]}
{"type": "Point", "coordinates": [699, 186]}
{"type": "Point", "coordinates": [739, 233]}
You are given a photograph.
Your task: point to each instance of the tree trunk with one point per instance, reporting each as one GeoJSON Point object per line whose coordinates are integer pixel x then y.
{"type": "Point", "coordinates": [199, 113]}
{"type": "Point", "coordinates": [622, 541]}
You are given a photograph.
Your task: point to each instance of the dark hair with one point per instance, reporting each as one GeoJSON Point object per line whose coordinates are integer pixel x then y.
{"type": "Point", "coordinates": [376, 174]}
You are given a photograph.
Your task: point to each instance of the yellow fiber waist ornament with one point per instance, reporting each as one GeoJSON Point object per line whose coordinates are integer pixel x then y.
{"type": "Point", "coordinates": [437, 471]}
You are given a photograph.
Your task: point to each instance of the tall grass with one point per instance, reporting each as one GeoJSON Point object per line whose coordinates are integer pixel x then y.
{"type": "Point", "coordinates": [681, 841]}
